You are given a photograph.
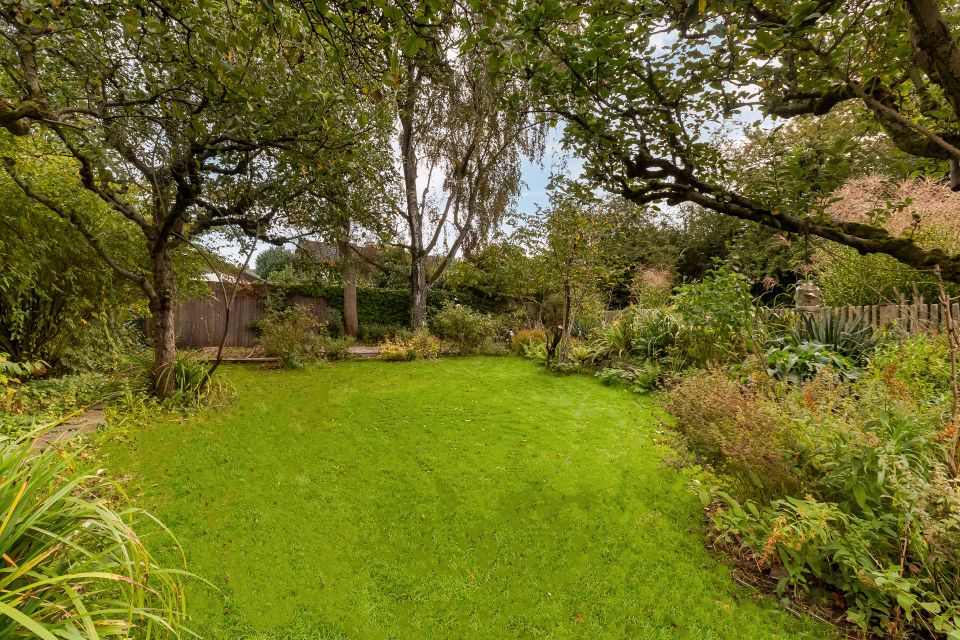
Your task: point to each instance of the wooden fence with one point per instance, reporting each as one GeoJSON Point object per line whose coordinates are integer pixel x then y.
{"type": "Point", "coordinates": [199, 322]}
{"type": "Point", "coordinates": [918, 316]}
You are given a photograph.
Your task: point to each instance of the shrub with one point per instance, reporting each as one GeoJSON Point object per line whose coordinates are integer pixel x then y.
{"type": "Point", "coordinates": [12, 372]}
{"type": "Point", "coordinates": [105, 344]}
{"type": "Point", "coordinates": [643, 334]}
{"type": "Point", "coordinates": [718, 317]}
{"type": "Point", "coordinates": [736, 431]}
{"type": "Point", "coordinates": [521, 339]}
{"type": "Point", "coordinates": [396, 349]}
{"type": "Point", "coordinates": [424, 345]}
{"type": "Point", "coordinates": [421, 345]}
{"type": "Point", "coordinates": [878, 523]}
{"type": "Point", "coordinates": [338, 348]}
{"type": "Point", "coordinates": [79, 569]}
{"type": "Point", "coordinates": [798, 362]}
{"type": "Point", "coordinates": [290, 335]}
{"type": "Point", "coordinates": [536, 351]}
{"type": "Point", "coordinates": [334, 324]}
{"type": "Point", "coordinates": [54, 396]}
{"type": "Point", "coordinates": [917, 365]}
{"type": "Point", "coordinates": [638, 378]}
{"type": "Point", "coordinates": [463, 326]}
{"type": "Point", "coordinates": [376, 333]}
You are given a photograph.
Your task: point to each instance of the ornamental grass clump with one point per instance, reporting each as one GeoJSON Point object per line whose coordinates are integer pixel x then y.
{"type": "Point", "coordinates": [73, 566]}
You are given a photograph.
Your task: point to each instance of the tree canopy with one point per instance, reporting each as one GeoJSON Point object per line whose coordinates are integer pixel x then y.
{"type": "Point", "coordinates": [647, 89]}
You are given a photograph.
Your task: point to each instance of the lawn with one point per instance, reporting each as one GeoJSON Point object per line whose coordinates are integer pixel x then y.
{"type": "Point", "coordinates": [463, 498]}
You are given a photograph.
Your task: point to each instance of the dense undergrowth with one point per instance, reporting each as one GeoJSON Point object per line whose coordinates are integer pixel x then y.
{"type": "Point", "coordinates": [828, 451]}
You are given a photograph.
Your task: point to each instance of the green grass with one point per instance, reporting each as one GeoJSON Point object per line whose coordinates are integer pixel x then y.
{"type": "Point", "coordinates": [470, 498]}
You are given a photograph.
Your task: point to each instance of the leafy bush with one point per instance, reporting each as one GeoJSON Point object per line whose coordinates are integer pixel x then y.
{"type": "Point", "coordinates": [421, 345]}
{"type": "Point", "coordinates": [78, 568]}
{"type": "Point", "coordinates": [382, 306]}
{"type": "Point", "coordinates": [376, 333]}
{"type": "Point", "coordinates": [334, 324]}
{"type": "Point", "coordinates": [798, 362]}
{"type": "Point", "coordinates": [640, 378]}
{"type": "Point", "coordinates": [842, 486]}
{"type": "Point", "coordinates": [290, 335]}
{"type": "Point", "coordinates": [396, 350]}
{"type": "Point", "coordinates": [338, 348]}
{"type": "Point", "coordinates": [424, 345]}
{"type": "Point", "coordinates": [463, 326]}
{"type": "Point", "coordinates": [56, 396]}
{"type": "Point", "coordinates": [735, 430]}
{"type": "Point", "coordinates": [12, 372]}
{"type": "Point", "coordinates": [105, 344]}
{"type": "Point", "coordinates": [524, 337]}
{"type": "Point", "coordinates": [646, 334]}
{"type": "Point", "coordinates": [718, 318]}
{"type": "Point", "coordinates": [917, 365]}
{"type": "Point", "coordinates": [879, 522]}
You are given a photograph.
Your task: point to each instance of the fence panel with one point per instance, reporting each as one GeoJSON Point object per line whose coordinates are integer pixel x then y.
{"type": "Point", "coordinates": [200, 322]}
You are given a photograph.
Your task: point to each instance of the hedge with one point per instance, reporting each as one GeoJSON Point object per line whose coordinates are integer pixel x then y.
{"type": "Point", "coordinates": [374, 305]}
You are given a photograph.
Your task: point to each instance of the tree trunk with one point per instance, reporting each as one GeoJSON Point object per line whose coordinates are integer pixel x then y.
{"type": "Point", "coordinates": [164, 334]}
{"type": "Point", "coordinates": [418, 292]}
{"type": "Point", "coordinates": [348, 271]}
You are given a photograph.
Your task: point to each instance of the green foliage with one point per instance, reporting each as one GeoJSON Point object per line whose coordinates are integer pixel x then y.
{"type": "Point", "coordinates": [796, 362]}
{"type": "Point", "coordinates": [852, 338]}
{"type": "Point", "coordinates": [106, 343]}
{"type": "Point", "coordinates": [847, 278]}
{"type": "Point", "coordinates": [916, 365]}
{"type": "Point", "coordinates": [338, 348]}
{"type": "Point", "coordinates": [191, 378]}
{"type": "Point", "coordinates": [53, 396]}
{"type": "Point", "coordinates": [843, 485]}
{"type": "Point", "coordinates": [51, 281]}
{"type": "Point", "coordinates": [524, 337]}
{"type": "Point", "coordinates": [646, 334]}
{"type": "Point", "coordinates": [77, 568]}
{"type": "Point", "coordinates": [535, 350]}
{"type": "Point", "coordinates": [463, 326]}
{"type": "Point", "coordinates": [334, 322]}
{"type": "Point", "coordinates": [377, 333]}
{"type": "Point", "coordinates": [273, 259]}
{"type": "Point", "coordinates": [375, 305]}
{"type": "Point", "coordinates": [291, 336]}
{"type": "Point", "coordinates": [420, 346]}
{"type": "Point", "coordinates": [718, 315]}
{"type": "Point", "coordinates": [638, 378]}
{"type": "Point", "coordinates": [12, 372]}
{"type": "Point", "coordinates": [875, 523]}
{"type": "Point", "coordinates": [495, 278]}
{"type": "Point", "coordinates": [735, 429]}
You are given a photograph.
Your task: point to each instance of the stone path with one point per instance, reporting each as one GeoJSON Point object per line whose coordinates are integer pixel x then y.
{"type": "Point", "coordinates": [85, 422]}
